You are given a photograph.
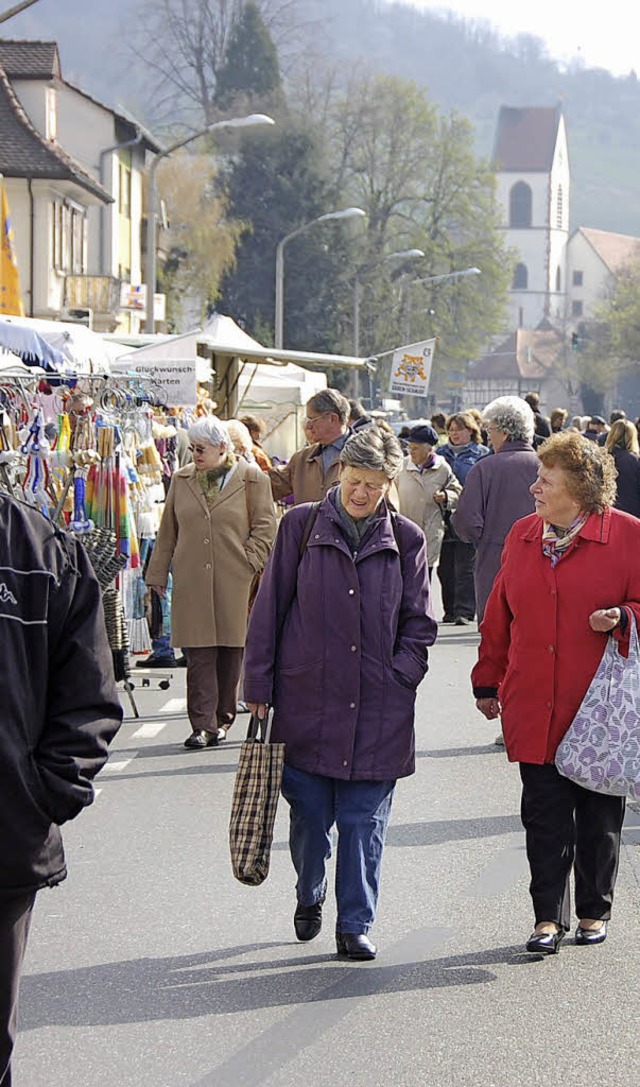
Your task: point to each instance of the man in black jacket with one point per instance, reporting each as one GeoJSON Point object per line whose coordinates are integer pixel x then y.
{"type": "Point", "coordinates": [59, 710]}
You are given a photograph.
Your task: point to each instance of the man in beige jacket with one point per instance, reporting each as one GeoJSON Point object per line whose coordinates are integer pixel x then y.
{"type": "Point", "coordinates": [312, 471]}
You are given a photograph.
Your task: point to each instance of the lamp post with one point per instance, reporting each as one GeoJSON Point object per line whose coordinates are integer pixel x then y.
{"type": "Point", "coordinates": [346, 213]}
{"type": "Point", "coordinates": [434, 279]}
{"type": "Point", "coordinates": [403, 255]}
{"type": "Point", "coordinates": [252, 121]}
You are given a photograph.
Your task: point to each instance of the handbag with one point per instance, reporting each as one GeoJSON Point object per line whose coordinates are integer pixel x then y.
{"type": "Point", "coordinates": [601, 749]}
{"type": "Point", "coordinates": [255, 799]}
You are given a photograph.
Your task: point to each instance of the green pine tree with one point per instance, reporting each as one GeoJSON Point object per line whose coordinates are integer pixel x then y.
{"type": "Point", "coordinates": [250, 71]}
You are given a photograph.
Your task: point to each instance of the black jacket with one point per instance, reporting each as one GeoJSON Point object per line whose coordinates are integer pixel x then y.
{"type": "Point", "coordinates": [59, 706]}
{"type": "Point", "coordinates": [628, 481]}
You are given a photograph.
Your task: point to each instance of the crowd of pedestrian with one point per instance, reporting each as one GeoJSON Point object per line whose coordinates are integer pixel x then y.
{"type": "Point", "coordinates": [304, 588]}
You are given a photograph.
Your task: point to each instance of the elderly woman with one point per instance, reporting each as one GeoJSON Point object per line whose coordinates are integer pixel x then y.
{"type": "Point", "coordinates": [337, 643]}
{"type": "Point", "coordinates": [497, 490]}
{"type": "Point", "coordinates": [622, 444]}
{"type": "Point", "coordinates": [463, 449]}
{"type": "Point", "coordinates": [216, 532]}
{"type": "Point", "coordinates": [569, 580]}
{"type": "Point", "coordinates": [427, 488]}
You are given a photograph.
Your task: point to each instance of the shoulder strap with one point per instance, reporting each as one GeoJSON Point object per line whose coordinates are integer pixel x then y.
{"type": "Point", "coordinates": [304, 539]}
{"type": "Point", "coordinates": [396, 529]}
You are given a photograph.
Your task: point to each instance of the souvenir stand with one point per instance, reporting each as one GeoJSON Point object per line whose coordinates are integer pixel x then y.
{"type": "Point", "coordinates": [82, 451]}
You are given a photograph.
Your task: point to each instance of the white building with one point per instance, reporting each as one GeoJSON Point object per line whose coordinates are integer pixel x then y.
{"type": "Point", "coordinates": [74, 169]}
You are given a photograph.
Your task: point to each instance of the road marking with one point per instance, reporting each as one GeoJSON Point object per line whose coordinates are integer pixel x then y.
{"type": "Point", "coordinates": [148, 731]}
{"type": "Point", "coordinates": [174, 705]}
{"type": "Point", "coordinates": [117, 767]}
{"type": "Point", "coordinates": [96, 793]}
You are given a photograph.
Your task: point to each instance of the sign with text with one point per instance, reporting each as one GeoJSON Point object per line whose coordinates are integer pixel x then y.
{"type": "Point", "coordinates": [411, 369]}
{"type": "Point", "coordinates": [174, 380]}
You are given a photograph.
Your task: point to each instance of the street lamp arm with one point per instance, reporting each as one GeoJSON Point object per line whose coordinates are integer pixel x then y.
{"type": "Point", "coordinates": [447, 275]}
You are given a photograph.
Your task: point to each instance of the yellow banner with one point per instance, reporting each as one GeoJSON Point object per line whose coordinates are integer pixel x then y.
{"type": "Point", "coordinates": [10, 294]}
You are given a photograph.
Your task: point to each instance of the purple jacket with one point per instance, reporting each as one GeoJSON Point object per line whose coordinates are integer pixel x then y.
{"type": "Point", "coordinates": [495, 495]}
{"type": "Point", "coordinates": [337, 643]}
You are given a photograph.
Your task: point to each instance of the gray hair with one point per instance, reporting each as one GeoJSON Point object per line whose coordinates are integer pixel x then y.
{"type": "Point", "coordinates": [375, 449]}
{"type": "Point", "coordinates": [240, 436]}
{"type": "Point", "coordinates": [512, 416]}
{"type": "Point", "coordinates": [331, 400]}
{"type": "Point", "coordinates": [210, 429]}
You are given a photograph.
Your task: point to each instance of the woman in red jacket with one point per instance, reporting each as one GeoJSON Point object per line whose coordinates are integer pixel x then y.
{"type": "Point", "coordinates": [570, 578]}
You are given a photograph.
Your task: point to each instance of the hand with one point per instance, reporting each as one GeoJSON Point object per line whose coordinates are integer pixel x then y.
{"type": "Point", "coordinates": [604, 619]}
{"type": "Point", "coordinates": [161, 590]}
{"type": "Point", "coordinates": [440, 497]}
{"type": "Point", "coordinates": [489, 707]}
{"type": "Point", "coordinates": [259, 708]}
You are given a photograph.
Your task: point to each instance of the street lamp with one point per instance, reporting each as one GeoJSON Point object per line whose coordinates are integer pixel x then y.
{"type": "Point", "coordinates": [403, 255]}
{"type": "Point", "coordinates": [435, 279]}
{"type": "Point", "coordinates": [346, 213]}
{"type": "Point", "coordinates": [252, 121]}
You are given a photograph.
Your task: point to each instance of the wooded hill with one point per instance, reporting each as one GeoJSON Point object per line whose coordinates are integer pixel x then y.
{"type": "Point", "coordinates": [464, 65]}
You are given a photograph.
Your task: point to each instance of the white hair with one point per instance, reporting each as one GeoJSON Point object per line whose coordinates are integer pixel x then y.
{"type": "Point", "coordinates": [240, 436]}
{"type": "Point", "coordinates": [513, 416]}
{"type": "Point", "coordinates": [210, 429]}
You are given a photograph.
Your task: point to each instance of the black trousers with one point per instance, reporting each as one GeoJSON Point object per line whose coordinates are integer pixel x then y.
{"type": "Point", "coordinates": [15, 919]}
{"type": "Point", "coordinates": [569, 827]}
{"type": "Point", "coordinates": [455, 571]}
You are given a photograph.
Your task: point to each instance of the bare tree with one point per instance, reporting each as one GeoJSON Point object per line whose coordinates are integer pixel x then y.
{"type": "Point", "coordinates": [182, 44]}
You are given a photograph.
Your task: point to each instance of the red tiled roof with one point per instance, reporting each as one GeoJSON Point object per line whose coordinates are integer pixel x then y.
{"type": "Point", "coordinates": [526, 138]}
{"type": "Point", "coordinates": [525, 353]}
{"type": "Point", "coordinates": [614, 250]}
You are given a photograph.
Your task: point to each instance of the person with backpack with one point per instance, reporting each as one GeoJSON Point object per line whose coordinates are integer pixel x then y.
{"type": "Point", "coordinates": [338, 643]}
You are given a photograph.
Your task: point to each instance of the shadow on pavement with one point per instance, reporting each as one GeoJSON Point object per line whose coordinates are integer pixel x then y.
{"type": "Point", "coordinates": [454, 752]}
{"type": "Point", "coordinates": [189, 986]}
{"type": "Point", "coordinates": [452, 830]}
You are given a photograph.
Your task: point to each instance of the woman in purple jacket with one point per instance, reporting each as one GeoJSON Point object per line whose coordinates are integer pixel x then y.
{"type": "Point", "coordinates": [337, 644]}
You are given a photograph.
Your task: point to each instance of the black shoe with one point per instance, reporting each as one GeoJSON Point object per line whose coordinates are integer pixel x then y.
{"type": "Point", "coordinates": [355, 946]}
{"type": "Point", "coordinates": [201, 738]}
{"type": "Point", "coordinates": [182, 662]}
{"type": "Point", "coordinates": [307, 920]}
{"type": "Point", "coordinates": [591, 936]}
{"type": "Point", "coordinates": [448, 619]}
{"type": "Point", "coordinates": [545, 943]}
{"type": "Point", "coordinates": [157, 662]}
{"type": "Point", "coordinates": [463, 621]}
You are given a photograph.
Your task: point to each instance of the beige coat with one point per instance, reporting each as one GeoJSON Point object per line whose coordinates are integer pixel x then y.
{"type": "Point", "coordinates": [416, 490]}
{"type": "Point", "coordinates": [213, 554]}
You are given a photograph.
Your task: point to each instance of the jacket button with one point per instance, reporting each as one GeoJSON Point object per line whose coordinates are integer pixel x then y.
{"type": "Point", "coordinates": [345, 763]}
{"type": "Point", "coordinates": [553, 592]}
{"type": "Point", "coordinates": [354, 648]}
{"type": "Point", "coordinates": [317, 536]}
{"type": "Point", "coordinates": [207, 565]}
{"type": "Point", "coordinates": [352, 592]}
{"type": "Point", "coordinates": [550, 649]}
{"type": "Point", "coordinates": [548, 705]}
{"type": "Point", "coordinates": [207, 541]}
{"type": "Point", "coordinates": [352, 705]}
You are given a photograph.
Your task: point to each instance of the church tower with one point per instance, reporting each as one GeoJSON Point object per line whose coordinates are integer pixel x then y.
{"type": "Point", "coordinates": [532, 165]}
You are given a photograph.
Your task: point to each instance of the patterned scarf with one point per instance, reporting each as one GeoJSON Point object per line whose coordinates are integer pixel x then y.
{"type": "Point", "coordinates": [429, 463]}
{"type": "Point", "coordinates": [556, 541]}
{"type": "Point", "coordinates": [211, 482]}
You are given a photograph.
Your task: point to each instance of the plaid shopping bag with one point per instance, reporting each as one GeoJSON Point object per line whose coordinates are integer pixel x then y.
{"type": "Point", "coordinates": [253, 807]}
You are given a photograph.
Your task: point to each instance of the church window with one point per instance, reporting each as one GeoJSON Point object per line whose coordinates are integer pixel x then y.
{"type": "Point", "coordinates": [520, 278]}
{"type": "Point", "coordinates": [558, 279]}
{"type": "Point", "coordinates": [520, 205]}
{"type": "Point", "coordinates": [559, 209]}
{"type": "Point", "coordinates": [577, 279]}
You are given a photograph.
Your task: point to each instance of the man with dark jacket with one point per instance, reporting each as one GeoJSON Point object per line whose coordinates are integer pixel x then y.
{"type": "Point", "coordinates": [59, 710]}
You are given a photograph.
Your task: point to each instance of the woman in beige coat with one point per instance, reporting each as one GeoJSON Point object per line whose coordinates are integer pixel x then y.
{"type": "Point", "coordinates": [215, 536]}
{"type": "Point", "coordinates": [427, 488]}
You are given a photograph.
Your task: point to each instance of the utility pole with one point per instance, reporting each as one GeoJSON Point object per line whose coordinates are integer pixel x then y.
{"type": "Point", "coordinates": [16, 9]}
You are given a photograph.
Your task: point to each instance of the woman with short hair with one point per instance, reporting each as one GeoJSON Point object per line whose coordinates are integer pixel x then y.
{"type": "Point", "coordinates": [569, 580]}
{"type": "Point", "coordinates": [337, 644]}
{"type": "Point", "coordinates": [622, 444]}
{"type": "Point", "coordinates": [215, 535]}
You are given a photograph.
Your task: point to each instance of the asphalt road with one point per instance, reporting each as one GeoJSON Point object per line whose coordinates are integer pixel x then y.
{"type": "Point", "coordinates": [152, 967]}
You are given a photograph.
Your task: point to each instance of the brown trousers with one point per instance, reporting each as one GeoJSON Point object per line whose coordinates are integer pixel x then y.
{"type": "Point", "coordinates": [213, 677]}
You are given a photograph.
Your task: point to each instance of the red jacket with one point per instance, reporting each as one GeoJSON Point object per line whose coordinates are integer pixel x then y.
{"type": "Point", "coordinates": [537, 647]}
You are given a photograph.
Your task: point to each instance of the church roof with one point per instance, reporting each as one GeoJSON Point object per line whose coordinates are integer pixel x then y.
{"type": "Point", "coordinates": [24, 152]}
{"type": "Point", "coordinates": [526, 138]}
{"type": "Point", "coordinates": [614, 250]}
{"type": "Point", "coordinates": [527, 353]}
{"type": "Point", "coordinates": [30, 59]}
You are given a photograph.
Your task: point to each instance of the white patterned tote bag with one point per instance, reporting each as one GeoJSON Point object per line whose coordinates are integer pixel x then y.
{"type": "Point", "coordinates": [601, 749]}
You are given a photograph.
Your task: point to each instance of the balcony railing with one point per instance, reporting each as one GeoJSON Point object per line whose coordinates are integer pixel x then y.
{"type": "Point", "coordinates": [101, 294]}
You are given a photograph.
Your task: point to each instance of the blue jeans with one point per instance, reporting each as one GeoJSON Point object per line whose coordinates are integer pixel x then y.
{"type": "Point", "coordinates": [360, 811]}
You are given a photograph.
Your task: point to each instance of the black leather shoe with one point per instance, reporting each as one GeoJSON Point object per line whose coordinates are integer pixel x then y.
{"type": "Point", "coordinates": [307, 920]}
{"type": "Point", "coordinates": [201, 738]}
{"type": "Point", "coordinates": [591, 936]}
{"type": "Point", "coordinates": [545, 943]}
{"type": "Point", "coordinates": [157, 662]}
{"type": "Point", "coordinates": [355, 946]}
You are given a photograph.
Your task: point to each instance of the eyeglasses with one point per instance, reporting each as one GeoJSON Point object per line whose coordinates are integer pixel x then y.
{"type": "Point", "coordinates": [200, 449]}
{"type": "Point", "coordinates": [316, 418]}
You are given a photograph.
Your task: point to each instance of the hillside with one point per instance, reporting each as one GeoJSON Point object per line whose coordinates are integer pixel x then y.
{"type": "Point", "coordinates": [464, 66]}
